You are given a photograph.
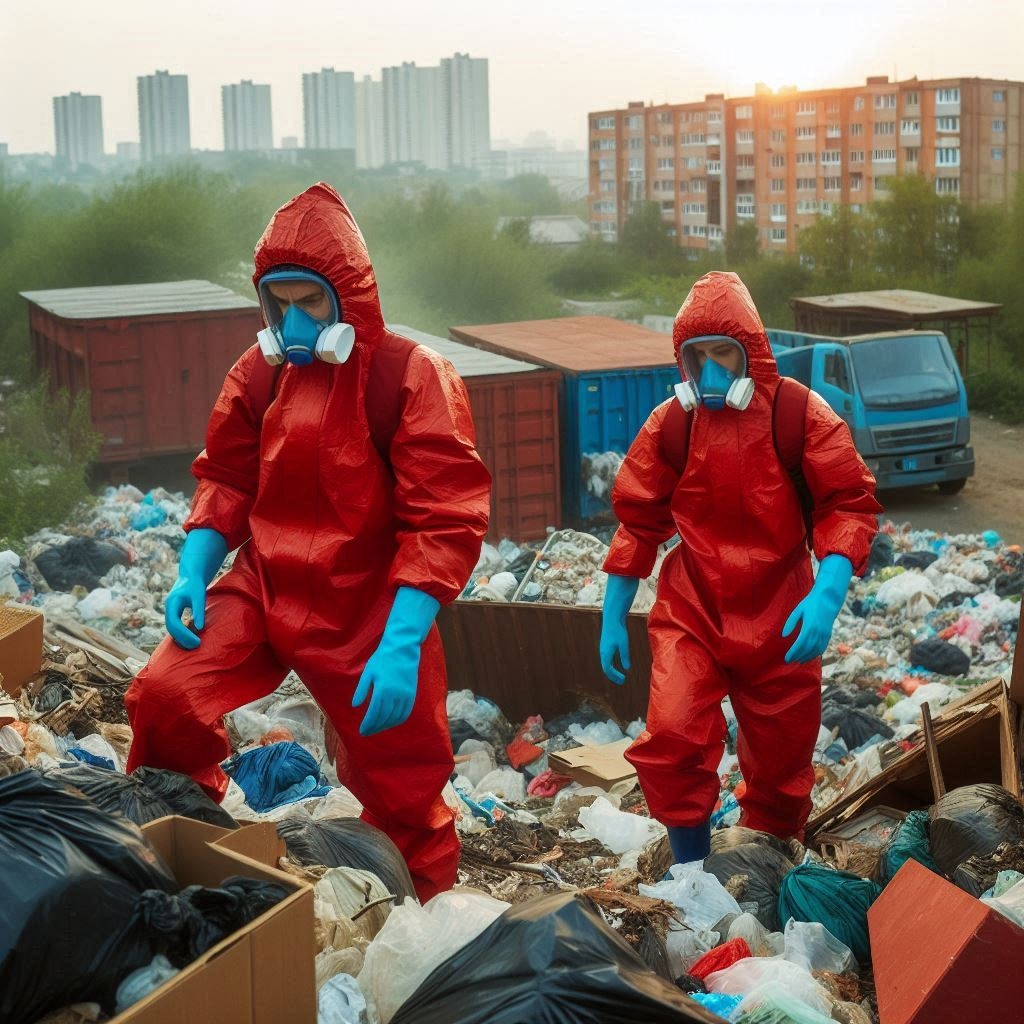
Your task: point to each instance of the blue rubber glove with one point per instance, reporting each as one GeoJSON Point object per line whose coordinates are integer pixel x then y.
{"type": "Point", "coordinates": [202, 555]}
{"type": "Point", "coordinates": [618, 599]}
{"type": "Point", "coordinates": [393, 669]}
{"type": "Point", "coordinates": [818, 610]}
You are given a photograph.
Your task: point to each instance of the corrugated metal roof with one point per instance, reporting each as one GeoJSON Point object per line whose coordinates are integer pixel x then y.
{"type": "Point", "coordinates": [467, 360]}
{"type": "Point", "coordinates": [579, 344]}
{"type": "Point", "coordinates": [128, 300]}
{"type": "Point", "coordinates": [901, 302]}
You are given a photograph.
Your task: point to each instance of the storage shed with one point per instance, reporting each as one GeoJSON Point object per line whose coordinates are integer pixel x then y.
{"type": "Point", "coordinates": [614, 374]}
{"type": "Point", "coordinates": [153, 357]}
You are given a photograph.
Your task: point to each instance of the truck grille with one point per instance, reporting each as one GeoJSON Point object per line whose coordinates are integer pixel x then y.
{"type": "Point", "coordinates": [920, 435]}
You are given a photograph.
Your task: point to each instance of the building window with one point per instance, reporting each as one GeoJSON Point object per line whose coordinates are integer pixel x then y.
{"type": "Point", "coordinates": [603, 124]}
{"type": "Point", "coordinates": [714, 117]}
{"type": "Point", "coordinates": [947, 186]}
{"type": "Point", "coordinates": [947, 156]}
{"type": "Point", "coordinates": [666, 163]}
{"type": "Point", "coordinates": [910, 99]}
{"type": "Point", "coordinates": [885, 127]}
{"type": "Point", "coordinates": [856, 129]}
{"type": "Point", "coordinates": [744, 112]}
{"type": "Point", "coordinates": [606, 164]}
{"type": "Point", "coordinates": [881, 184]}
{"type": "Point", "coordinates": [664, 117]}
{"type": "Point", "coordinates": [693, 162]}
{"type": "Point", "coordinates": [806, 184]}
{"type": "Point", "coordinates": [698, 115]}
{"type": "Point", "coordinates": [807, 206]}
{"type": "Point", "coordinates": [856, 156]}
{"type": "Point", "coordinates": [668, 140]}
{"type": "Point", "coordinates": [832, 107]}
{"type": "Point", "coordinates": [806, 131]}
{"type": "Point", "coordinates": [693, 208]}
{"type": "Point", "coordinates": [883, 156]}
{"type": "Point", "coordinates": [692, 139]}
{"type": "Point", "coordinates": [947, 124]}
{"type": "Point", "coordinates": [834, 131]}
{"type": "Point", "coordinates": [806, 158]}
{"type": "Point", "coordinates": [607, 186]}
{"type": "Point", "coordinates": [745, 135]}
{"type": "Point", "coordinates": [910, 127]}
{"type": "Point", "coordinates": [744, 204]}
{"type": "Point", "coordinates": [607, 144]}
{"type": "Point", "coordinates": [778, 135]}
{"type": "Point", "coordinates": [832, 184]}
{"type": "Point", "coordinates": [998, 125]}
{"type": "Point", "coordinates": [634, 122]}
{"type": "Point", "coordinates": [777, 111]}
{"type": "Point", "coordinates": [778, 211]}
{"type": "Point", "coordinates": [886, 102]}
{"type": "Point", "coordinates": [831, 156]}
{"type": "Point", "coordinates": [998, 96]}
{"type": "Point", "coordinates": [636, 164]}
{"type": "Point", "coordinates": [778, 160]}
{"type": "Point", "coordinates": [745, 161]}
{"type": "Point", "coordinates": [858, 102]}
{"type": "Point", "coordinates": [699, 185]}
{"type": "Point", "coordinates": [777, 234]}
{"type": "Point", "coordinates": [806, 107]}
{"type": "Point", "coordinates": [856, 182]}
{"type": "Point", "coordinates": [948, 96]}
{"type": "Point", "coordinates": [668, 206]}
{"type": "Point", "coordinates": [911, 153]}
{"type": "Point", "coordinates": [778, 185]}
{"type": "Point", "coordinates": [605, 206]}
{"type": "Point", "coordinates": [997, 153]}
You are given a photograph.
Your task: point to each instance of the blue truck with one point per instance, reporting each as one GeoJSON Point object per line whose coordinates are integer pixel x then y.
{"type": "Point", "coordinates": [901, 394]}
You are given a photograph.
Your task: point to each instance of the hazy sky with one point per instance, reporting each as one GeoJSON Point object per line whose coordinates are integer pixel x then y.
{"type": "Point", "coordinates": [551, 61]}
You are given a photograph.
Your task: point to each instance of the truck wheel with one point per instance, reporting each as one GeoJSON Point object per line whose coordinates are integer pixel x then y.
{"type": "Point", "coordinates": [952, 486]}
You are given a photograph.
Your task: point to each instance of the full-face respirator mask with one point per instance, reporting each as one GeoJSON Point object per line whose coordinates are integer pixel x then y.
{"type": "Point", "coordinates": [296, 336]}
{"type": "Point", "coordinates": [710, 384]}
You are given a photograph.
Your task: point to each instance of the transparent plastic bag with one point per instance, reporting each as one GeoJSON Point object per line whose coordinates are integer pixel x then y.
{"type": "Point", "coordinates": [699, 895]}
{"type": "Point", "coordinates": [417, 939]}
{"type": "Point", "coordinates": [619, 830]}
{"type": "Point", "coordinates": [811, 945]}
{"type": "Point", "coordinates": [775, 1003]}
{"type": "Point", "coordinates": [758, 979]}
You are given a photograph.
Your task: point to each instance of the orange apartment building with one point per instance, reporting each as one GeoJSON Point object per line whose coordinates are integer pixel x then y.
{"type": "Point", "coordinates": [781, 157]}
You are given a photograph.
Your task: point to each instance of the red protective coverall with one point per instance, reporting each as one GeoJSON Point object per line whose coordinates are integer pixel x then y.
{"type": "Point", "coordinates": [725, 592]}
{"type": "Point", "coordinates": [328, 532]}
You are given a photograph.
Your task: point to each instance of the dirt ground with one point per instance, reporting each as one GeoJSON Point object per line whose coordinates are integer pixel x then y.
{"type": "Point", "coordinates": [992, 500]}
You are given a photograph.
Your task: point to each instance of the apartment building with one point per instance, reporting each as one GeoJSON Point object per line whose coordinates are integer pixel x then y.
{"type": "Point", "coordinates": [780, 158]}
{"type": "Point", "coordinates": [329, 109]}
{"type": "Point", "coordinates": [246, 114]}
{"type": "Point", "coordinates": [164, 129]}
{"type": "Point", "coordinates": [78, 128]}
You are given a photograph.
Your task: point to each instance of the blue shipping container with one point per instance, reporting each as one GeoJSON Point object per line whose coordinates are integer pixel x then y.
{"type": "Point", "coordinates": [604, 411]}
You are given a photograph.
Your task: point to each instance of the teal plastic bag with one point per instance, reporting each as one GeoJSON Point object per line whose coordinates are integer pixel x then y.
{"type": "Point", "coordinates": [837, 899]}
{"type": "Point", "coordinates": [908, 841]}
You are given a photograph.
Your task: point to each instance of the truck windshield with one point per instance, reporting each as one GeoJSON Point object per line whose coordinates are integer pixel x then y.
{"type": "Point", "coordinates": [904, 372]}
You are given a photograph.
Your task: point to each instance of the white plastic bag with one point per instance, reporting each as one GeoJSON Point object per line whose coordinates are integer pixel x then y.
{"type": "Point", "coordinates": [415, 940]}
{"type": "Point", "coordinates": [759, 978]}
{"type": "Point", "coordinates": [619, 830]}
{"type": "Point", "coordinates": [1010, 904]}
{"type": "Point", "coordinates": [701, 897]}
{"type": "Point", "coordinates": [812, 946]}
{"type": "Point", "coordinates": [340, 1001]}
{"type": "Point", "coordinates": [685, 947]}
{"type": "Point", "coordinates": [506, 783]}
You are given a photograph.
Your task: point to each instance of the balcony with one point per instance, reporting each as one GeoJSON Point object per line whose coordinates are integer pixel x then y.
{"type": "Point", "coordinates": [714, 166]}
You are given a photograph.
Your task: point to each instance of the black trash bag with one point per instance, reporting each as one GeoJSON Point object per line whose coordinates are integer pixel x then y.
{"type": "Point", "coordinates": [856, 726]}
{"type": "Point", "coordinates": [550, 960]}
{"type": "Point", "coordinates": [936, 655]}
{"type": "Point", "coordinates": [80, 562]}
{"type": "Point", "coordinates": [583, 716]}
{"type": "Point", "coordinates": [145, 795]}
{"type": "Point", "coordinates": [971, 822]}
{"type": "Point", "coordinates": [723, 839]}
{"type": "Point", "coordinates": [764, 867]}
{"type": "Point", "coordinates": [953, 600]}
{"type": "Point", "coordinates": [654, 952]}
{"type": "Point", "coordinates": [916, 559]}
{"type": "Point", "coordinates": [185, 925]}
{"type": "Point", "coordinates": [347, 843]}
{"type": "Point", "coordinates": [881, 554]}
{"type": "Point", "coordinates": [71, 878]}
{"type": "Point", "coordinates": [1009, 584]}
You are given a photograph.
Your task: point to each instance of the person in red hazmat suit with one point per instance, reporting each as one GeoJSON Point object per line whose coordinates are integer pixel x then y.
{"type": "Point", "coordinates": [344, 552]}
{"type": "Point", "coordinates": [738, 610]}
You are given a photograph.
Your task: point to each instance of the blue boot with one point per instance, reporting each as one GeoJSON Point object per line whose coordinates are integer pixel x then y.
{"type": "Point", "coordinates": [689, 842]}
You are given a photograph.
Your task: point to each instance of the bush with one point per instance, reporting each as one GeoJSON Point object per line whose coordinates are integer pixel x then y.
{"type": "Point", "coordinates": [46, 445]}
{"type": "Point", "coordinates": [999, 392]}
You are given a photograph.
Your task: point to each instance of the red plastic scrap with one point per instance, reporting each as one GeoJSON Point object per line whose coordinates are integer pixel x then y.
{"type": "Point", "coordinates": [547, 784]}
{"type": "Point", "coordinates": [720, 957]}
{"type": "Point", "coordinates": [521, 751]}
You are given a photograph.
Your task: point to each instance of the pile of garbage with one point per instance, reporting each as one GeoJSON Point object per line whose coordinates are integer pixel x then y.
{"type": "Point", "coordinates": [761, 931]}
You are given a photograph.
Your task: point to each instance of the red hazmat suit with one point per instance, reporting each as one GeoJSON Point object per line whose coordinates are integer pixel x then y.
{"type": "Point", "coordinates": [328, 530]}
{"type": "Point", "coordinates": [725, 592]}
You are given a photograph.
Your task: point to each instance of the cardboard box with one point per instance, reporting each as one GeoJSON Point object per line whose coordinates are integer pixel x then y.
{"type": "Point", "coordinates": [262, 974]}
{"type": "Point", "coordinates": [602, 765]}
{"type": "Point", "coordinates": [21, 645]}
{"type": "Point", "coordinates": [940, 956]}
{"type": "Point", "coordinates": [976, 739]}
{"type": "Point", "coordinates": [1017, 672]}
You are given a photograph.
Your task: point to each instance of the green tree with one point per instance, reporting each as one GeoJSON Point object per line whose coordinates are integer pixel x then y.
{"type": "Point", "coordinates": [645, 235]}
{"type": "Point", "coordinates": [840, 246]}
{"type": "Point", "coordinates": [741, 244]}
{"type": "Point", "coordinates": [516, 230]}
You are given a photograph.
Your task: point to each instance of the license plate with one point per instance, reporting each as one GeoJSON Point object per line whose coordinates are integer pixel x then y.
{"type": "Point", "coordinates": [910, 464]}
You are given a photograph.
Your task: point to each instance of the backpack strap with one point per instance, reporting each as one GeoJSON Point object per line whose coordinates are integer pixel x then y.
{"type": "Point", "coordinates": [383, 389]}
{"type": "Point", "coordinates": [675, 436]}
{"type": "Point", "coordinates": [789, 416]}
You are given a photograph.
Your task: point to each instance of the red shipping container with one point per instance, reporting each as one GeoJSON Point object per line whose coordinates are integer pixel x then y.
{"type": "Point", "coordinates": [940, 956]}
{"type": "Point", "coordinates": [153, 357]}
{"type": "Point", "coordinates": [515, 409]}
